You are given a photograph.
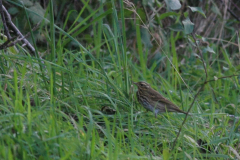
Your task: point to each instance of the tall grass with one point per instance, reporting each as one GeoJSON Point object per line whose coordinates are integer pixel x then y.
{"type": "Point", "coordinates": [81, 105]}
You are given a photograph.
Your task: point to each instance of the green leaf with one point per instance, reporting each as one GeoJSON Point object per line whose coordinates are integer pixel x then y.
{"type": "Point", "coordinates": [146, 38]}
{"type": "Point", "coordinates": [198, 9]}
{"type": "Point", "coordinates": [168, 14]}
{"type": "Point", "coordinates": [186, 14]}
{"type": "Point", "coordinates": [188, 26]}
{"type": "Point", "coordinates": [208, 49]}
{"type": "Point", "coordinates": [216, 10]}
{"type": "Point", "coordinates": [38, 13]}
{"type": "Point", "coordinates": [27, 3]}
{"type": "Point", "coordinates": [173, 4]}
{"type": "Point", "coordinates": [238, 68]}
{"type": "Point", "coordinates": [166, 154]}
{"type": "Point", "coordinates": [220, 140]}
{"type": "Point", "coordinates": [13, 10]}
{"type": "Point", "coordinates": [191, 41]}
{"type": "Point", "coordinates": [176, 27]}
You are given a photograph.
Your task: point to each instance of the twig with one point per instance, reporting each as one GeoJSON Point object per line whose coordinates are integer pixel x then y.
{"type": "Point", "coordinates": [237, 33]}
{"type": "Point", "coordinates": [224, 18]}
{"type": "Point", "coordinates": [201, 55]}
{"type": "Point", "coordinates": [195, 97]}
{"type": "Point", "coordinates": [4, 21]}
{"type": "Point", "coordinates": [180, 129]}
{"type": "Point", "coordinates": [214, 96]}
{"type": "Point", "coordinates": [217, 39]}
{"type": "Point", "coordinates": [232, 13]}
{"type": "Point", "coordinates": [220, 78]}
{"type": "Point", "coordinates": [20, 39]}
{"type": "Point", "coordinates": [5, 44]}
{"type": "Point", "coordinates": [17, 32]}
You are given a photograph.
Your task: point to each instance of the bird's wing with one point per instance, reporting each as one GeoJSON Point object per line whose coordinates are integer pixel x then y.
{"type": "Point", "coordinates": [158, 97]}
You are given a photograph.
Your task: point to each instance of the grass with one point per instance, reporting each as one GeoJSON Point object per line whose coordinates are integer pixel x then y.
{"type": "Point", "coordinates": [57, 112]}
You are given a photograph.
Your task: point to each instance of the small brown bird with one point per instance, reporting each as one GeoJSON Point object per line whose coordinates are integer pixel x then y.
{"type": "Point", "coordinates": [154, 101]}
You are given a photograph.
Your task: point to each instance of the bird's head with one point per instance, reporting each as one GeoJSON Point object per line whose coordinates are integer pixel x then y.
{"type": "Point", "coordinates": [142, 85]}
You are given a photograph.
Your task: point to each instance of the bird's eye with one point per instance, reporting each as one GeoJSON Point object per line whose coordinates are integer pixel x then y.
{"type": "Point", "coordinates": [142, 84]}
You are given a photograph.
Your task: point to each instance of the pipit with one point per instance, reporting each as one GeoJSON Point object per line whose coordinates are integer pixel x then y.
{"type": "Point", "coordinates": [154, 101]}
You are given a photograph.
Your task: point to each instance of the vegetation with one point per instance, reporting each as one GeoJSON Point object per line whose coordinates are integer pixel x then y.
{"type": "Point", "coordinates": [78, 101]}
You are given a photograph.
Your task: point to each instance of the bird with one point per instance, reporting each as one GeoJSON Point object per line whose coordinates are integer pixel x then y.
{"type": "Point", "coordinates": [153, 100]}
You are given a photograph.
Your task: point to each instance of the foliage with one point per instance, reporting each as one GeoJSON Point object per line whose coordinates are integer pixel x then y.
{"type": "Point", "coordinates": [82, 104]}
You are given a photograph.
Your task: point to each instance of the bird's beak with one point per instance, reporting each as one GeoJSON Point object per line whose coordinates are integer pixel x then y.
{"type": "Point", "coordinates": [135, 83]}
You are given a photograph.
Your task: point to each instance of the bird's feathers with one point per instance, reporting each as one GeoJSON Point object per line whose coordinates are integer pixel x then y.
{"type": "Point", "coordinates": [155, 100]}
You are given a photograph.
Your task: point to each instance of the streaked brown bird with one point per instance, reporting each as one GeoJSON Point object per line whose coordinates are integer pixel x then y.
{"type": "Point", "coordinates": [154, 101]}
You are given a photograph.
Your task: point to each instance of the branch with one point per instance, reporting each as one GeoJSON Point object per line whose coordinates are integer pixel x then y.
{"type": "Point", "coordinates": [220, 78]}
{"type": "Point", "coordinates": [195, 97]}
{"type": "Point", "coordinates": [231, 12]}
{"type": "Point", "coordinates": [17, 32]}
{"type": "Point", "coordinates": [180, 129]}
{"type": "Point", "coordinates": [4, 21]}
{"type": "Point", "coordinates": [20, 39]}
{"type": "Point", "coordinates": [5, 44]}
{"type": "Point", "coordinates": [201, 55]}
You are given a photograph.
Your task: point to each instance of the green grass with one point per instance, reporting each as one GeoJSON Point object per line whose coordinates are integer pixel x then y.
{"type": "Point", "coordinates": [67, 120]}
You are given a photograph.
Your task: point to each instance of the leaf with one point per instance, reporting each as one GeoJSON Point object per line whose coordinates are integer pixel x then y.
{"type": "Point", "coordinates": [27, 3]}
{"type": "Point", "coordinates": [208, 49]}
{"type": "Point", "coordinates": [191, 40]}
{"type": "Point", "coordinates": [225, 68]}
{"type": "Point", "coordinates": [38, 13]}
{"type": "Point", "coordinates": [190, 139]}
{"type": "Point", "coordinates": [186, 14]}
{"type": "Point", "coordinates": [168, 14]}
{"type": "Point", "coordinates": [166, 154]}
{"type": "Point", "coordinates": [145, 36]}
{"type": "Point", "coordinates": [197, 9]}
{"type": "Point", "coordinates": [188, 26]}
{"type": "Point", "coordinates": [238, 68]}
{"type": "Point", "coordinates": [196, 55]}
{"type": "Point", "coordinates": [215, 9]}
{"type": "Point", "coordinates": [220, 140]}
{"type": "Point", "coordinates": [173, 4]}
{"type": "Point", "coordinates": [188, 155]}
{"type": "Point", "coordinates": [176, 27]}
{"type": "Point", "coordinates": [13, 10]}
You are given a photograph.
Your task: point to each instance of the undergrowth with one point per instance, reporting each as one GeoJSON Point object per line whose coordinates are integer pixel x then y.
{"type": "Point", "coordinates": [82, 104]}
